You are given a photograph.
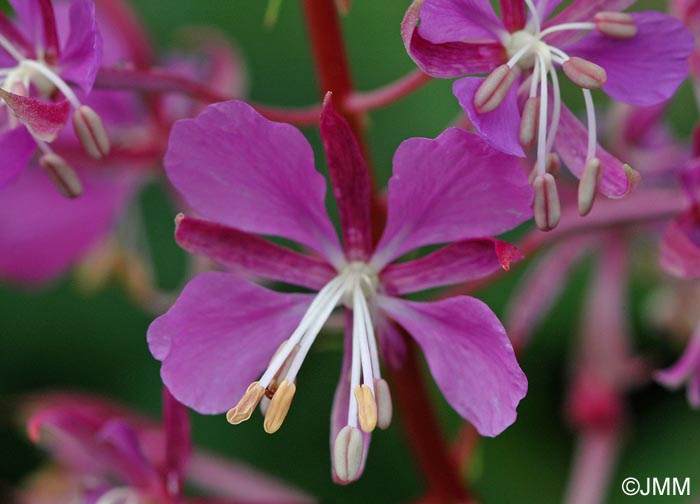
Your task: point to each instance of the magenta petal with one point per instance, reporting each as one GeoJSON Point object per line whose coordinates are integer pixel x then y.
{"type": "Point", "coordinates": [458, 20]}
{"type": "Point", "coordinates": [82, 53]}
{"type": "Point", "coordinates": [449, 189]}
{"type": "Point", "coordinates": [42, 233]}
{"type": "Point", "coordinates": [452, 59]}
{"type": "Point", "coordinates": [44, 120]}
{"type": "Point", "coordinates": [350, 182]}
{"type": "Point", "coordinates": [219, 336]}
{"type": "Point", "coordinates": [18, 147]}
{"type": "Point", "coordinates": [16, 39]}
{"type": "Point", "coordinates": [500, 127]}
{"type": "Point", "coordinates": [235, 167]}
{"type": "Point", "coordinates": [680, 249]}
{"type": "Point", "coordinates": [469, 356]}
{"type": "Point", "coordinates": [571, 143]}
{"type": "Point", "coordinates": [341, 400]}
{"type": "Point", "coordinates": [249, 254]}
{"type": "Point", "coordinates": [460, 262]}
{"type": "Point", "coordinates": [646, 69]}
{"type": "Point", "coordinates": [514, 14]}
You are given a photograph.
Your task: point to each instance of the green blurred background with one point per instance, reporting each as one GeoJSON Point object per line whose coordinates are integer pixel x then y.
{"type": "Point", "coordinates": [59, 337]}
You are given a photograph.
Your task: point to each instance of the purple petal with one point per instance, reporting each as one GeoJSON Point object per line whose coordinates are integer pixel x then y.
{"type": "Point", "coordinates": [82, 53]}
{"type": "Point", "coordinates": [235, 167]}
{"type": "Point", "coordinates": [453, 59]}
{"type": "Point", "coordinates": [350, 182]}
{"type": "Point", "coordinates": [36, 21]}
{"type": "Point", "coordinates": [249, 254]}
{"type": "Point", "coordinates": [500, 127]}
{"type": "Point", "coordinates": [680, 249]}
{"type": "Point", "coordinates": [45, 120]}
{"type": "Point", "coordinates": [580, 10]}
{"type": "Point", "coordinates": [546, 7]}
{"type": "Point", "coordinates": [514, 14]}
{"type": "Point", "coordinates": [458, 21]}
{"type": "Point", "coordinates": [42, 233]}
{"type": "Point", "coordinates": [18, 147]}
{"type": "Point", "coordinates": [341, 400]}
{"type": "Point", "coordinates": [450, 189]}
{"type": "Point", "coordinates": [469, 356]}
{"type": "Point", "coordinates": [391, 341]}
{"type": "Point", "coordinates": [571, 143]}
{"type": "Point", "coordinates": [540, 288]}
{"type": "Point", "coordinates": [646, 69]}
{"type": "Point", "coordinates": [689, 363]}
{"type": "Point", "coordinates": [464, 261]}
{"type": "Point", "coordinates": [16, 39]}
{"type": "Point", "coordinates": [219, 336]}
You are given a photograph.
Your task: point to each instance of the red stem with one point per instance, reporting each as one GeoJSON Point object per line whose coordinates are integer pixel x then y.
{"type": "Point", "coordinates": [418, 419]}
{"type": "Point", "coordinates": [178, 445]}
{"type": "Point", "coordinates": [362, 102]}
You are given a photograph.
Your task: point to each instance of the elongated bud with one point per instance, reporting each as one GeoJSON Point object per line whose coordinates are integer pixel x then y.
{"type": "Point", "coordinates": [347, 454]}
{"type": "Point", "coordinates": [62, 175]}
{"type": "Point", "coordinates": [244, 409]}
{"type": "Point", "coordinates": [529, 122]}
{"type": "Point", "coordinates": [546, 206]}
{"type": "Point", "coordinates": [588, 185]}
{"type": "Point", "coordinates": [366, 408]}
{"type": "Point", "coordinates": [384, 406]}
{"type": "Point", "coordinates": [279, 407]}
{"type": "Point", "coordinates": [552, 166]}
{"type": "Point", "coordinates": [91, 132]}
{"type": "Point", "coordinates": [616, 24]}
{"type": "Point", "coordinates": [494, 89]}
{"type": "Point", "coordinates": [584, 73]}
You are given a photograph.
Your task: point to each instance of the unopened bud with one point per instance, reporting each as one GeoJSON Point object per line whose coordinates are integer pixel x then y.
{"type": "Point", "coordinates": [616, 24]}
{"type": "Point", "coordinates": [588, 185]}
{"type": "Point", "coordinates": [244, 409]}
{"type": "Point", "coordinates": [279, 407]}
{"type": "Point", "coordinates": [366, 408]}
{"type": "Point", "coordinates": [584, 73]}
{"type": "Point", "coordinates": [494, 89]}
{"type": "Point", "coordinates": [347, 454]}
{"type": "Point", "coordinates": [546, 206]}
{"type": "Point", "coordinates": [529, 122]}
{"type": "Point", "coordinates": [91, 132]}
{"type": "Point", "coordinates": [62, 175]}
{"type": "Point", "coordinates": [384, 405]}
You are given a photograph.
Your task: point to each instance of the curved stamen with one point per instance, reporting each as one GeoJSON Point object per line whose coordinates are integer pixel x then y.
{"type": "Point", "coordinates": [590, 118]}
{"type": "Point", "coordinates": [566, 27]}
{"type": "Point", "coordinates": [535, 15]}
{"type": "Point", "coordinates": [556, 111]}
{"type": "Point", "coordinates": [55, 80]}
{"type": "Point", "coordinates": [542, 136]}
{"type": "Point", "coordinates": [11, 50]}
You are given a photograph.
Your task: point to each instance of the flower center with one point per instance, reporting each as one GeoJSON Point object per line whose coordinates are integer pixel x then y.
{"type": "Point", "coordinates": [524, 47]}
{"type": "Point", "coordinates": [354, 287]}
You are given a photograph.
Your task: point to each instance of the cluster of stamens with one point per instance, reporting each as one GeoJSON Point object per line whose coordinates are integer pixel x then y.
{"type": "Point", "coordinates": [39, 75]}
{"type": "Point", "coordinates": [529, 52]}
{"type": "Point", "coordinates": [369, 404]}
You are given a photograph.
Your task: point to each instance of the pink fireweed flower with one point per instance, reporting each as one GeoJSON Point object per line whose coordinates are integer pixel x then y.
{"type": "Point", "coordinates": [519, 104]}
{"type": "Point", "coordinates": [104, 453]}
{"type": "Point", "coordinates": [47, 59]}
{"type": "Point", "coordinates": [227, 338]}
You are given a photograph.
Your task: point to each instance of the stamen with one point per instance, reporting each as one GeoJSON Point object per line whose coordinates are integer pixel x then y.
{"type": "Point", "coordinates": [584, 73]}
{"type": "Point", "coordinates": [566, 27]}
{"type": "Point", "coordinates": [546, 205]}
{"type": "Point", "coordinates": [592, 128]}
{"type": "Point", "coordinates": [529, 122]}
{"type": "Point", "coordinates": [91, 132]}
{"type": "Point", "coordinates": [244, 409]}
{"type": "Point", "coordinates": [61, 174]}
{"type": "Point", "coordinates": [347, 453]}
{"type": "Point", "coordinates": [616, 24]}
{"type": "Point", "coordinates": [12, 51]}
{"type": "Point", "coordinates": [544, 98]}
{"type": "Point", "coordinates": [55, 80]}
{"type": "Point", "coordinates": [556, 114]}
{"type": "Point", "coordinates": [519, 54]}
{"type": "Point", "coordinates": [360, 331]}
{"type": "Point", "coordinates": [366, 407]}
{"type": "Point", "coordinates": [588, 185]}
{"type": "Point", "coordinates": [279, 407]}
{"type": "Point", "coordinates": [553, 167]}
{"type": "Point", "coordinates": [494, 89]}
{"type": "Point", "coordinates": [535, 15]}
{"type": "Point", "coordinates": [384, 405]}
